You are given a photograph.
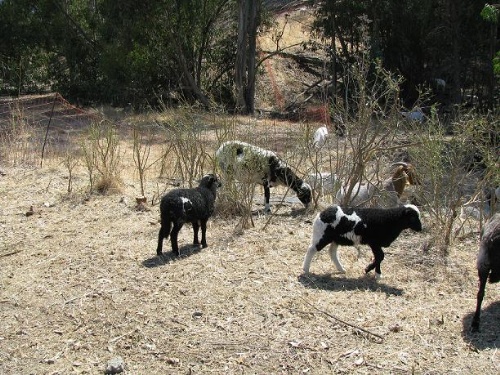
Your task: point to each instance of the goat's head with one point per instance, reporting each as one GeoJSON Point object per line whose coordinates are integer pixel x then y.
{"type": "Point", "coordinates": [210, 181]}
{"type": "Point", "coordinates": [404, 174]}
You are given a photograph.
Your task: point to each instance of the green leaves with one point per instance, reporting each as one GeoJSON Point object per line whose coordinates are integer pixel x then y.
{"type": "Point", "coordinates": [490, 13]}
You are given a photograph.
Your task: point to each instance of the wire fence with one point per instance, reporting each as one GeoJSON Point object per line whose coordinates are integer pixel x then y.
{"type": "Point", "coordinates": [35, 126]}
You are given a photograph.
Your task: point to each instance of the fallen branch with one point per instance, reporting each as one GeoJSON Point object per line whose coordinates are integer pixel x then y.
{"type": "Point", "coordinates": [379, 337]}
{"type": "Point", "coordinates": [11, 253]}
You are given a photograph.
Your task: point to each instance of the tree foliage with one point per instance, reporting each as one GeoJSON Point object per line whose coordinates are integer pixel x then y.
{"type": "Point", "coordinates": [423, 40]}
{"type": "Point", "coordinates": [135, 52]}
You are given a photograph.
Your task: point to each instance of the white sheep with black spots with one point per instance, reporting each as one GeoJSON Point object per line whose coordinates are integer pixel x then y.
{"type": "Point", "coordinates": [180, 206]}
{"type": "Point", "coordinates": [248, 163]}
{"type": "Point", "coordinates": [375, 227]}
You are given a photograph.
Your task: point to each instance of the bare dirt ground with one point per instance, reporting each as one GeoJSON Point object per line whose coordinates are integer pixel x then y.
{"type": "Point", "coordinates": [81, 285]}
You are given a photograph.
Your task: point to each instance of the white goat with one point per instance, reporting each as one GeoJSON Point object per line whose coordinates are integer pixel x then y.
{"type": "Point", "coordinates": [320, 137]}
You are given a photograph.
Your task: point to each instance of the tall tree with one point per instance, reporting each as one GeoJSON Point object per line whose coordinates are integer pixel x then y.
{"type": "Point", "coordinates": [420, 39]}
{"type": "Point", "coordinates": [490, 13]}
{"type": "Point", "coordinates": [23, 35]}
{"type": "Point", "coordinates": [249, 12]}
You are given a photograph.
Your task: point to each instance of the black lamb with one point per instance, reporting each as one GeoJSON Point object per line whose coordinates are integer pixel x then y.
{"type": "Point", "coordinates": [488, 261]}
{"type": "Point", "coordinates": [193, 206]}
{"type": "Point", "coordinates": [375, 227]}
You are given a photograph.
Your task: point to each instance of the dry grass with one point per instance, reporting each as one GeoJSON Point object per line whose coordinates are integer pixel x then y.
{"type": "Point", "coordinates": [81, 284]}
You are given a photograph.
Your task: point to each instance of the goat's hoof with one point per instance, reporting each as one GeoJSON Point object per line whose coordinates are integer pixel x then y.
{"type": "Point", "coordinates": [378, 276]}
{"type": "Point", "coordinates": [204, 245]}
{"type": "Point", "coordinates": [474, 326]}
{"type": "Point", "coordinates": [159, 253]}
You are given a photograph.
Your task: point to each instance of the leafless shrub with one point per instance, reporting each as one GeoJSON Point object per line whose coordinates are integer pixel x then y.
{"type": "Point", "coordinates": [371, 127]}
{"type": "Point", "coordinates": [143, 139]}
{"type": "Point", "coordinates": [235, 198]}
{"type": "Point", "coordinates": [102, 157]}
{"type": "Point", "coordinates": [18, 140]}
{"type": "Point", "coordinates": [71, 160]}
{"type": "Point", "coordinates": [454, 167]}
{"type": "Point", "coordinates": [186, 143]}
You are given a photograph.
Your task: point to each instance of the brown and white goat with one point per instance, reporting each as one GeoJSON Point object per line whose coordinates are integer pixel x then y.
{"type": "Point", "coordinates": [386, 195]}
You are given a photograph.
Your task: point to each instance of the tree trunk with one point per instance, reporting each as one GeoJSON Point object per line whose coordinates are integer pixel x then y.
{"type": "Point", "coordinates": [491, 72]}
{"type": "Point", "coordinates": [455, 50]}
{"type": "Point", "coordinates": [245, 65]}
{"type": "Point", "coordinates": [190, 80]}
{"type": "Point", "coordinates": [252, 50]}
{"type": "Point", "coordinates": [240, 66]}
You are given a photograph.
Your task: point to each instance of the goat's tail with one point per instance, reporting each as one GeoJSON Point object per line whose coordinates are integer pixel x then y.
{"type": "Point", "coordinates": [166, 227]}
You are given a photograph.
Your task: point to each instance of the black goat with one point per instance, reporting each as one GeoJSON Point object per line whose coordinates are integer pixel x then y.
{"type": "Point", "coordinates": [193, 206]}
{"type": "Point", "coordinates": [488, 261]}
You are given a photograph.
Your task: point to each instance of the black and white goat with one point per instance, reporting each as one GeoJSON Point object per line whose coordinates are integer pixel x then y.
{"type": "Point", "coordinates": [251, 164]}
{"type": "Point", "coordinates": [375, 227]}
{"type": "Point", "coordinates": [180, 206]}
{"type": "Point", "coordinates": [488, 261]}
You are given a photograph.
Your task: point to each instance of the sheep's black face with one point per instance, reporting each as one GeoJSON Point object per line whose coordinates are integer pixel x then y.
{"type": "Point", "coordinates": [304, 194]}
{"type": "Point", "coordinates": [413, 218]}
{"type": "Point", "coordinates": [210, 180]}
{"type": "Point", "coordinates": [416, 224]}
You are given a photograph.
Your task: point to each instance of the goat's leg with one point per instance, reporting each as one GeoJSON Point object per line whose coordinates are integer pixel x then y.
{"type": "Point", "coordinates": [480, 295]}
{"type": "Point", "coordinates": [334, 257]}
{"type": "Point", "coordinates": [196, 229]}
{"type": "Point", "coordinates": [163, 233]}
{"type": "Point", "coordinates": [173, 237]}
{"type": "Point", "coordinates": [272, 177]}
{"type": "Point", "coordinates": [267, 197]}
{"type": "Point", "coordinates": [308, 258]}
{"type": "Point", "coordinates": [203, 233]}
{"type": "Point", "coordinates": [313, 249]}
{"type": "Point", "coordinates": [358, 249]}
{"type": "Point", "coordinates": [378, 257]}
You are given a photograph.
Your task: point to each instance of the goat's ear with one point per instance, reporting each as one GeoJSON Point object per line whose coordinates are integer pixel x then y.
{"type": "Point", "coordinates": [214, 179]}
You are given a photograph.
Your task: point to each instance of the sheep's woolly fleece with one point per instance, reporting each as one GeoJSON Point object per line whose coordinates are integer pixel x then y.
{"type": "Point", "coordinates": [247, 162]}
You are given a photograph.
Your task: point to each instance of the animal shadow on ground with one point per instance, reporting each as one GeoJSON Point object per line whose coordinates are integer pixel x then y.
{"type": "Point", "coordinates": [488, 335]}
{"type": "Point", "coordinates": [161, 260]}
{"type": "Point", "coordinates": [327, 282]}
